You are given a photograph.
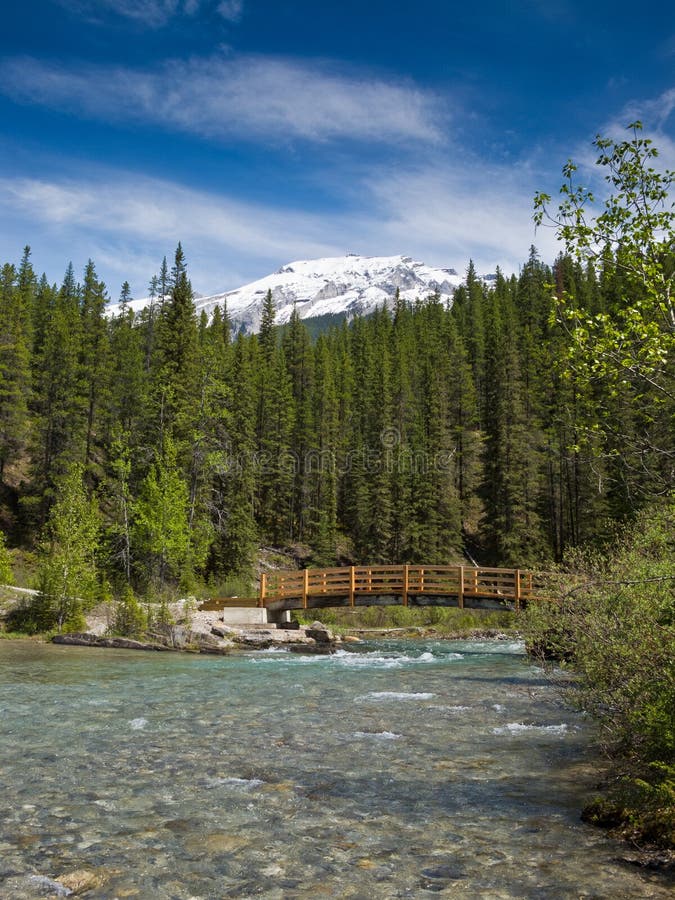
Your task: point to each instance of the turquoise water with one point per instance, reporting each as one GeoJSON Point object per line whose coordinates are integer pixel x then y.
{"type": "Point", "coordinates": [398, 770]}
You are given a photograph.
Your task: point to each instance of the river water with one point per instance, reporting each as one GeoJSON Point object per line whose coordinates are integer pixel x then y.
{"type": "Point", "coordinates": [398, 770]}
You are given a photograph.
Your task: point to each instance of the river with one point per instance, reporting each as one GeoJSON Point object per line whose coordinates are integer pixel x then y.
{"type": "Point", "coordinates": [403, 769]}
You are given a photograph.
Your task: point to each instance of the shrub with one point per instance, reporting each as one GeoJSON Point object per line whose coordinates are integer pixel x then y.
{"type": "Point", "coordinates": [616, 630]}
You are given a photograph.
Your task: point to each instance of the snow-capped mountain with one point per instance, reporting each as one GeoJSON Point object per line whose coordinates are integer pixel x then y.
{"type": "Point", "coordinates": [348, 285]}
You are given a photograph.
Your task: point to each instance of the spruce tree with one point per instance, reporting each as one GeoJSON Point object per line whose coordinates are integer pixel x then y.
{"type": "Point", "coordinates": [15, 351]}
{"type": "Point", "coordinates": [67, 574]}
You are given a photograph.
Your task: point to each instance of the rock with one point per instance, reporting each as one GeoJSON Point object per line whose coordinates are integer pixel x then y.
{"type": "Point", "coordinates": [209, 637]}
{"type": "Point", "coordinates": [223, 631]}
{"type": "Point", "coordinates": [81, 880]}
{"type": "Point", "coordinates": [84, 639]}
{"type": "Point", "coordinates": [218, 843]}
{"type": "Point", "coordinates": [259, 638]}
{"type": "Point", "coordinates": [313, 648]}
{"type": "Point", "coordinates": [167, 637]}
{"type": "Point", "coordinates": [318, 632]}
{"type": "Point", "coordinates": [208, 643]}
{"type": "Point", "coordinates": [180, 637]}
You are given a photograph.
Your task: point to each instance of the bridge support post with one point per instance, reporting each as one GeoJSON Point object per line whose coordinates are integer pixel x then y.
{"type": "Point", "coordinates": [263, 589]}
{"type": "Point", "coordinates": [352, 585]}
{"type": "Point", "coordinates": [517, 589]}
{"type": "Point", "coordinates": [460, 588]}
{"type": "Point", "coordinates": [405, 585]}
{"type": "Point", "coordinates": [305, 587]}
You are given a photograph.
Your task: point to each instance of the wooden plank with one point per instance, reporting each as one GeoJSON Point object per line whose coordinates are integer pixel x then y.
{"type": "Point", "coordinates": [405, 585]}
{"type": "Point", "coordinates": [263, 588]}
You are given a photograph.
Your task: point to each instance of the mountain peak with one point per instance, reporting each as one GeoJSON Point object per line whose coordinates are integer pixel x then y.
{"type": "Point", "coordinates": [342, 285]}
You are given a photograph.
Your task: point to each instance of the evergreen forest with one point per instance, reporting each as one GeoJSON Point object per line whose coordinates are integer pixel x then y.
{"type": "Point", "coordinates": [157, 452]}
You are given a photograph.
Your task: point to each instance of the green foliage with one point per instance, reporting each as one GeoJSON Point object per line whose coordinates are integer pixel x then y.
{"type": "Point", "coordinates": [428, 432]}
{"type": "Point", "coordinates": [161, 519]}
{"type": "Point", "coordinates": [6, 574]}
{"type": "Point", "coordinates": [67, 574]}
{"type": "Point", "coordinates": [158, 613]}
{"type": "Point", "coordinates": [441, 620]}
{"type": "Point", "coordinates": [16, 299]}
{"type": "Point", "coordinates": [623, 352]}
{"type": "Point", "coordinates": [616, 629]}
{"type": "Point", "coordinates": [129, 619]}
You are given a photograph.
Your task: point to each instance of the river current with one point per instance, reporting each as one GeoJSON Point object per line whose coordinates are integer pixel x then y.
{"type": "Point", "coordinates": [396, 770]}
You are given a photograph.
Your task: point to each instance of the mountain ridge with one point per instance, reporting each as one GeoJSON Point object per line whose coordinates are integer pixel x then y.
{"type": "Point", "coordinates": [347, 285]}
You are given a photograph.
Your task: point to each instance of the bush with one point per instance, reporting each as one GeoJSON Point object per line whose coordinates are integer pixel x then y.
{"type": "Point", "coordinates": [616, 631]}
{"type": "Point", "coordinates": [6, 575]}
{"type": "Point", "coordinates": [129, 619]}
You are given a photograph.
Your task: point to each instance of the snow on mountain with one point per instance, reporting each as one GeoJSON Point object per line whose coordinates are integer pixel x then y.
{"type": "Point", "coordinates": [350, 285]}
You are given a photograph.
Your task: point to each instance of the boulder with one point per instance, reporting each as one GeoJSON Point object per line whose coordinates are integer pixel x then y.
{"type": "Point", "coordinates": [312, 648]}
{"type": "Point", "coordinates": [84, 639]}
{"type": "Point", "coordinates": [318, 632]}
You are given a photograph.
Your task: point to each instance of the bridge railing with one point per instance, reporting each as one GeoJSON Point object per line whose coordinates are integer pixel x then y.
{"type": "Point", "coordinates": [349, 581]}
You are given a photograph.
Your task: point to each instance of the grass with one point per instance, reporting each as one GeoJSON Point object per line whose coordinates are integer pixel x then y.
{"type": "Point", "coordinates": [439, 619]}
{"type": "Point", "coordinates": [24, 636]}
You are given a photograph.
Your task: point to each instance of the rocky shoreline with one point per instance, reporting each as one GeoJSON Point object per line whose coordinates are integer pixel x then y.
{"type": "Point", "coordinates": [209, 635]}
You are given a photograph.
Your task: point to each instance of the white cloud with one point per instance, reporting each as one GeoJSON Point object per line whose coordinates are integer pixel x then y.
{"type": "Point", "coordinates": [443, 213]}
{"type": "Point", "coordinates": [230, 10]}
{"type": "Point", "coordinates": [656, 115]}
{"type": "Point", "coordinates": [127, 223]}
{"type": "Point", "coordinates": [152, 13]}
{"type": "Point", "coordinates": [452, 211]}
{"type": "Point", "coordinates": [249, 97]}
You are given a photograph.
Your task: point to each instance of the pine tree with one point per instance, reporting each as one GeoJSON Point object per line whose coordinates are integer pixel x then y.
{"type": "Point", "coordinates": [94, 360]}
{"type": "Point", "coordinates": [59, 433]}
{"type": "Point", "coordinates": [233, 549]}
{"type": "Point", "coordinates": [68, 575]}
{"type": "Point", "coordinates": [277, 461]}
{"type": "Point", "coordinates": [300, 368]}
{"type": "Point", "coordinates": [512, 525]}
{"type": "Point", "coordinates": [177, 373]}
{"type": "Point", "coordinates": [161, 529]}
{"type": "Point", "coordinates": [15, 348]}
{"type": "Point", "coordinates": [267, 334]}
{"type": "Point", "coordinates": [322, 464]}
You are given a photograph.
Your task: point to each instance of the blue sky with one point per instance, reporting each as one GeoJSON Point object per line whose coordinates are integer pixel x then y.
{"type": "Point", "coordinates": [258, 132]}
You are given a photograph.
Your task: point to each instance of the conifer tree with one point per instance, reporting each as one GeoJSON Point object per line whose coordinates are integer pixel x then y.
{"type": "Point", "coordinates": [322, 463]}
{"type": "Point", "coordinates": [512, 524]}
{"type": "Point", "coordinates": [59, 433]}
{"type": "Point", "coordinates": [267, 334]}
{"type": "Point", "coordinates": [176, 373]}
{"type": "Point", "coordinates": [14, 364]}
{"type": "Point", "coordinates": [161, 527]}
{"type": "Point", "coordinates": [300, 367]}
{"type": "Point", "coordinates": [233, 514]}
{"type": "Point", "coordinates": [94, 358]}
{"type": "Point", "coordinates": [68, 575]}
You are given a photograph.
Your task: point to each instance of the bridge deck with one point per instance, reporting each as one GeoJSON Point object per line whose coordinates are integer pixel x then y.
{"type": "Point", "coordinates": [462, 586]}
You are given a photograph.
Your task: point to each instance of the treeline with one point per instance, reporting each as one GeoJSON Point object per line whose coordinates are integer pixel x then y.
{"type": "Point", "coordinates": [423, 433]}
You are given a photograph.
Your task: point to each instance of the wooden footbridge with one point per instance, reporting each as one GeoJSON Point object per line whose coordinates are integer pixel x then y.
{"type": "Point", "coordinates": [357, 586]}
{"type": "Point", "coordinates": [460, 586]}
